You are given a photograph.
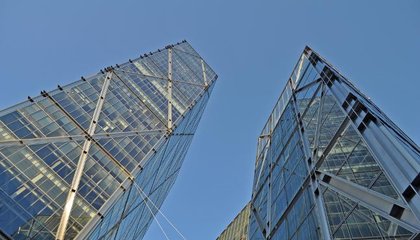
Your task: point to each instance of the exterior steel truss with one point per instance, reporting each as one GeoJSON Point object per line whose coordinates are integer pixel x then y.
{"type": "Point", "coordinates": [330, 164]}
{"type": "Point", "coordinates": [93, 140]}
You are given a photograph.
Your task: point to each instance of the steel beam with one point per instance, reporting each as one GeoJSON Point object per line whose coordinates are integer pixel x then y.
{"type": "Point", "coordinates": [299, 69]}
{"type": "Point", "coordinates": [318, 123]}
{"type": "Point", "coordinates": [332, 142]}
{"type": "Point", "coordinates": [264, 156]}
{"type": "Point", "coordinates": [83, 234]}
{"type": "Point", "coordinates": [98, 136]}
{"type": "Point", "coordinates": [311, 101]}
{"type": "Point", "coordinates": [143, 99]}
{"type": "Point", "coordinates": [169, 90]}
{"type": "Point", "coordinates": [308, 85]}
{"type": "Point", "coordinates": [259, 221]}
{"type": "Point", "coordinates": [310, 165]}
{"type": "Point", "coordinates": [389, 208]}
{"type": "Point", "coordinates": [82, 161]}
{"type": "Point", "coordinates": [400, 168]}
{"type": "Point", "coordinates": [191, 54]}
{"type": "Point", "coordinates": [160, 78]}
{"type": "Point", "coordinates": [203, 67]}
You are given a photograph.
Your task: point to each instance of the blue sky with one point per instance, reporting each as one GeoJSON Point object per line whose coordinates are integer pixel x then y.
{"type": "Point", "coordinates": [252, 45]}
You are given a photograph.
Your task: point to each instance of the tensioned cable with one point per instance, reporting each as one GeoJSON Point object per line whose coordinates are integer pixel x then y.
{"type": "Point", "coordinates": [164, 216]}
{"type": "Point", "coordinates": [154, 216]}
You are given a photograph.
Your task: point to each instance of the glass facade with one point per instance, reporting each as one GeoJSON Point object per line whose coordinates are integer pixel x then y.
{"type": "Point", "coordinates": [104, 150]}
{"type": "Point", "coordinates": [238, 228]}
{"type": "Point", "coordinates": [331, 165]}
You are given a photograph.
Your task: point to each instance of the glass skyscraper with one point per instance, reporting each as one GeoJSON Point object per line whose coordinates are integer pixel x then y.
{"type": "Point", "coordinates": [96, 158]}
{"type": "Point", "coordinates": [331, 165]}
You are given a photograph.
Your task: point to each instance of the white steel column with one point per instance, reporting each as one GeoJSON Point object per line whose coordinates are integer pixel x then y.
{"type": "Point", "coordinates": [318, 124]}
{"type": "Point", "coordinates": [169, 90]}
{"type": "Point", "coordinates": [203, 67]}
{"type": "Point", "coordinates": [82, 161]}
